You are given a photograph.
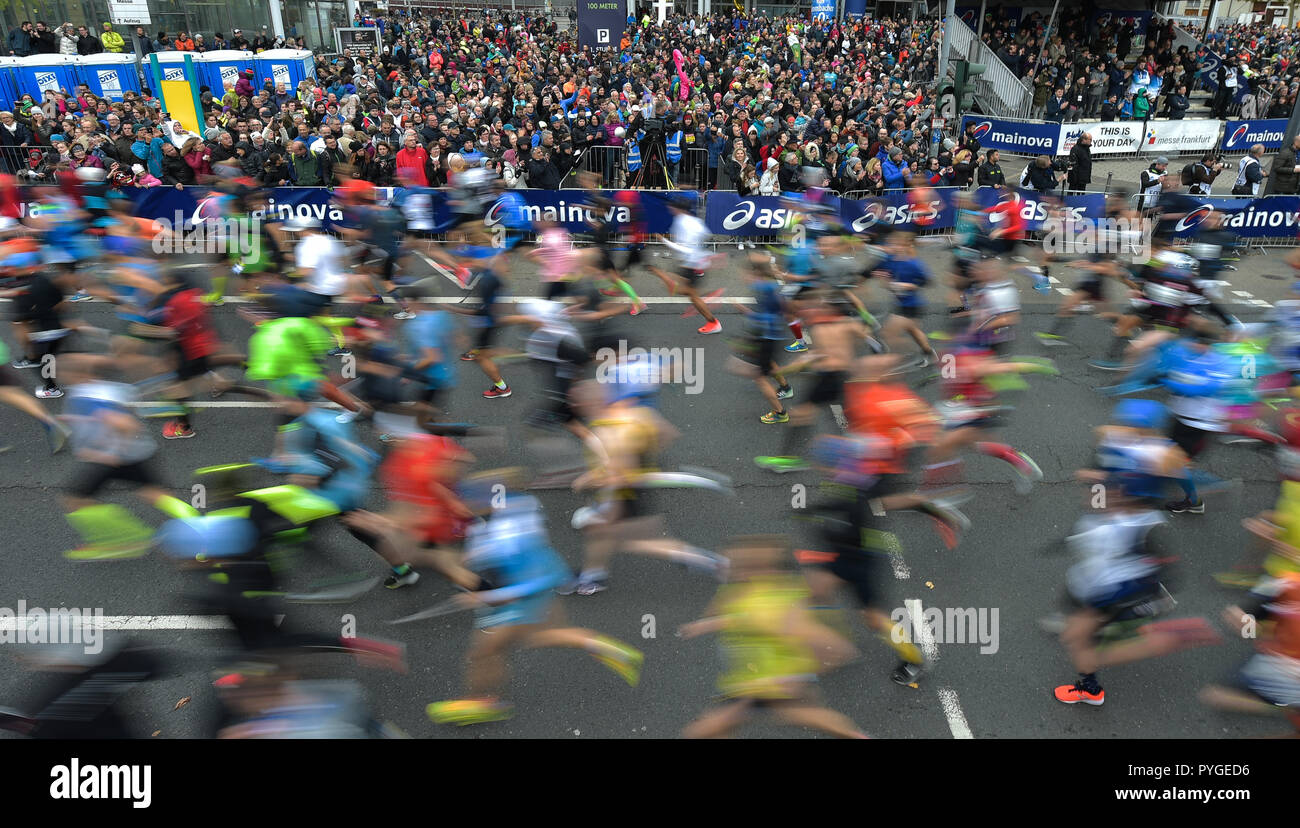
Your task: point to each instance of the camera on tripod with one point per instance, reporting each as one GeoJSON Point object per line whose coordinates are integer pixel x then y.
{"type": "Point", "coordinates": [653, 125]}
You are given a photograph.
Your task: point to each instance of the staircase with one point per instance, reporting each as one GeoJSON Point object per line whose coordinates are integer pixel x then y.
{"type": "Point", "coordinates": [999, 91]}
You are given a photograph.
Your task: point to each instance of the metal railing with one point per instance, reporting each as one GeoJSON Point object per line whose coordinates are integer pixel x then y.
{"type": "Point", "coordinates": [607, 162]}
{"type": "Point", "coordinates": [1000, 91]}
{"type": "Point", "coordinates": [693, 171]}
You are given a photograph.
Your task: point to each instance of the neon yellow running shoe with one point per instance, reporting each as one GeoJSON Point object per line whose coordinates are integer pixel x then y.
{"type": "Point", "coordinates": [626, 661]}
{"type": "Point", "coordinates": [463, 712]}
{"type": "Point", "coordinates": [109, 552]}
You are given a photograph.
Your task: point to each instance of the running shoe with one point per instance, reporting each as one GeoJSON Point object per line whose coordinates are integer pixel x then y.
{"type": "Point", "coordinates": [1077, 692]}
{"type": "Point", "coordinates": [346, 418]}
{"type": "Point", "coordinates": [773, 417]}
{"type": "Point", "coordinates": [625, 661]}
{"type": "Point", "coordinates": [797, 346]}
{"type": "Point", "coordinates": [1027, 473]}
{"type": "Point", "coordinates": [58, 434]}
{"type": "Point", "coordinates": [711, 328]}
{"type": "Point", "coordinates": [950, 523]}
{"type": "Point", "coordinates": [216, 300]}
{"type": "Point", "coordinates": [340, 352]}
{"type": "Point", "coordinates": [395, 581]}
{"type": "Point", "coordinates": [80, 296]}
{"type": "Point", "coordinates": [636, 310]}
{"type": "Point", "coordinates": [468, 711]}
{"type": "Point", "coordinates": [48, 393]}
{"type": "Point", "coordinates": [782, 465]}
{"type": "Point", "coordinates": [24, 362]}
{"type": "Point", "coordinates": [1178, 507]}
{"type": "Point", "coordinates": [1051, 339]}
{"type": "Point", "coordinates": [591, 586]}
{"type": "Point", "coordinates": [587, 516]}
{"type": "Point", "coordinates": [784, 393]}
{"type": "Point", "coordinates": [496, 393]}
{"type": "Point", "coordinates": [175, 431]}
{"type": "Point", "coordinates": [110, 552]}
{"type": "Point", "coordinates": [404, 315]}
{"type": "Point", "coordinates": [469, 356]}
{"type": "Point", "coordinates": [907, 673]}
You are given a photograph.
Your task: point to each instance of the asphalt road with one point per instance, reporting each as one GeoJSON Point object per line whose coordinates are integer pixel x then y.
{"type": "Point", "coordinates": [1006, 563]}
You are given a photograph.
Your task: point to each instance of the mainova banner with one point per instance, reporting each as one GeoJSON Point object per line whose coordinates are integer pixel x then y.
{"type": "Point", "coordinates": [1239, 136]}
{"type": "Point", "coordinates": [1024, 137]}
{"type": "Point", "coordinates": [1252, 218]}
{"type": "Point", "coordinates": [1183, 135]}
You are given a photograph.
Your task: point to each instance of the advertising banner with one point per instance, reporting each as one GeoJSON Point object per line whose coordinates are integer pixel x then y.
{"type": "Point", "coordinates": [1240, 136]}
{"type": "Point", "coordinates": [1178, 136]}
{"type": "Point", "coordinates": [1023, 137]}
{"type": "Point", "coordinates": [1108, 137]}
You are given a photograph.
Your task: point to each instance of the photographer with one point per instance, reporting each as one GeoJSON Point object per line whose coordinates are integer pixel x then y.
{"type": "Point", "coordinates": [1043, 177]}
{"type": "Point", "coordinates": [1199, 177]}
{"type": "Point", "coordinates": [1079, 174]}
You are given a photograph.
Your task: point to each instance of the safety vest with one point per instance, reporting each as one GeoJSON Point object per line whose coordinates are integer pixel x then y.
{"type": "Point", "coordinates": [1242, 167]}
{"type": "Point", "coordinates": [674, 145]}
{"type": "Point", "coordinates": [633, 156]}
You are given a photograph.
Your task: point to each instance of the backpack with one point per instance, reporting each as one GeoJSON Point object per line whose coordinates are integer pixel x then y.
{"type": "Point", "coordinates": [1187, 176]}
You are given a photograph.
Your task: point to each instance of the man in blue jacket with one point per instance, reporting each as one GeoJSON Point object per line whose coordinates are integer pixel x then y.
{"type": "Point", "coordinates": [894, 170]}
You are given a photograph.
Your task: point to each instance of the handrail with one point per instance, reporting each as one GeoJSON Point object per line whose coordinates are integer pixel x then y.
{"type": "Point", "coordinates": [1001, 92]}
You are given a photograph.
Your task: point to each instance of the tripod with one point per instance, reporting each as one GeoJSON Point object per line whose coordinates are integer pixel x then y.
{"type": "Point", "coordinates": [654, 154]}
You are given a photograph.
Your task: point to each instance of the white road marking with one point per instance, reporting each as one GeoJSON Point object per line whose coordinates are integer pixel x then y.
{"type": "Point", "coordinates": [952, 711]}
{"type": "Point", "coordinates": [947, 696]}
{"type": "Point", "coordinates": [838, 412]}
{"type": "Point", "coordinates": [1064, 291]}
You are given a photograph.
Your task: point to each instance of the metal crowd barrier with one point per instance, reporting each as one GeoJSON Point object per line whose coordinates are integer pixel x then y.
{"type": "Point", "coordinates": [608, 162]}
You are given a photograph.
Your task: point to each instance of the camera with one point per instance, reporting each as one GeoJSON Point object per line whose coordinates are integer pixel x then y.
{"type": "Point", "coordinates": [1062, 164]}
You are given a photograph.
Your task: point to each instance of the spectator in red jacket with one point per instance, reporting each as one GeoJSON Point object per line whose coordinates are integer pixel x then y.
{"type": "Point", "coordinates": [198, 158]}
{"type": "Point", "coordinates": [411, 162]}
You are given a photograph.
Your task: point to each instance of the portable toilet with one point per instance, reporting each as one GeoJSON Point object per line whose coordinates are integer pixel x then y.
{"type": "Point", "coordinates": [287, 66]}
{"type": "Point", "coordinates": [9, 93]}
{"type": "Point", "coordinates": [37, 73]}
{"type": "Point", "coordinates": [221, 67]}
{"type": "Point", "coordinates": [108, 75]}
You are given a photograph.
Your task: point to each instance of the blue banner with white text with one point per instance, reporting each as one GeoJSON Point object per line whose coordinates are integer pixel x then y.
{"type": "Point", "coordinates": [1024, 137]}
{"type": "Point", "coordinates": [1240, 136]}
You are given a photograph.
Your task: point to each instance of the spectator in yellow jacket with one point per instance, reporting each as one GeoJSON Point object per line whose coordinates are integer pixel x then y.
{"type": "Point", "coordinates": [112, 40]}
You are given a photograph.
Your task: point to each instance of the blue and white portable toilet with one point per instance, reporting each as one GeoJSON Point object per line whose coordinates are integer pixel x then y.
{"type": "Point", "coordinates": [223, 66]}
{"type": "Point", "coordinates": [9, 93]}
{"type": "Point", "coordinates": [108, 75]}
{"type": "Point", "coordinates": [287, 66]}
{"type": "Point", "coordinates": [37, 74]}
